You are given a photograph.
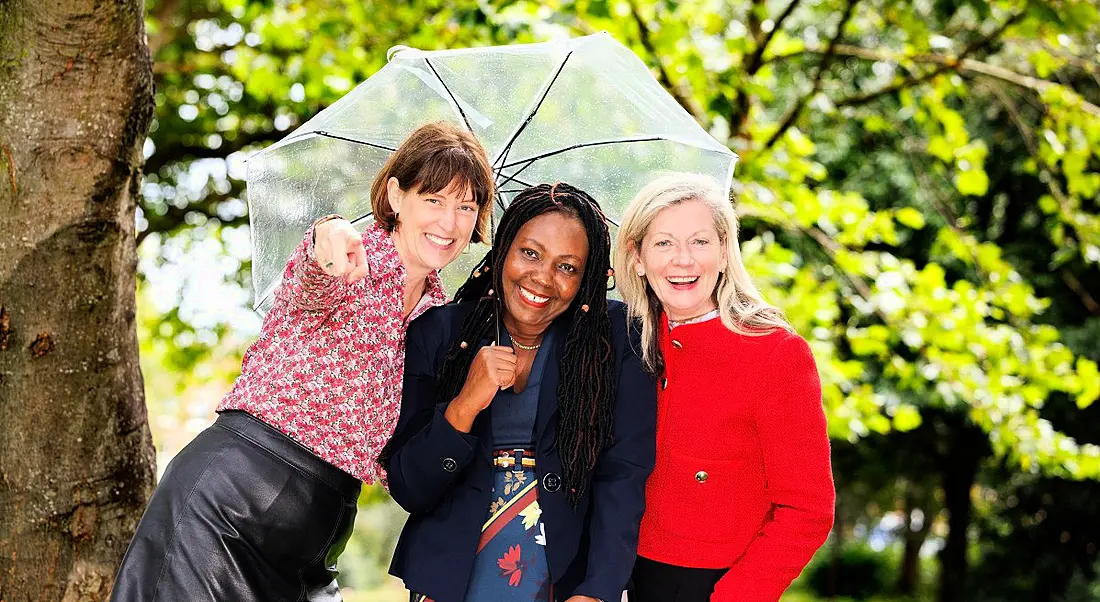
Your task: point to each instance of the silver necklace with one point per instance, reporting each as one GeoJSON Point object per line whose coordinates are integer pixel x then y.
{"type": "Point", "coordinates": [710, 315]}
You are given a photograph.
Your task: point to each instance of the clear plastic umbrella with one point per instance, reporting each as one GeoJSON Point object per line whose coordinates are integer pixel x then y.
{"type": "Point", "coordinates": [585, 111]}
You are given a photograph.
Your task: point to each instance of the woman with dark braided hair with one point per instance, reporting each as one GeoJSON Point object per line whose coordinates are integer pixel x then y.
{"type": "Point", "coordinates": [522, 452]}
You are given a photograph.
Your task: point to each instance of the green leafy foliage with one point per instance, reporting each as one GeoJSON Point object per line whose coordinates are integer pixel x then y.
{"type": "Point", "coordinates": [856, 212]}
{"type": "Point", "coordinates": [918, 193]}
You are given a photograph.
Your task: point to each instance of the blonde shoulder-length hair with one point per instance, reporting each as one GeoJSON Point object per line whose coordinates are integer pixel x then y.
{"type": "Point", "coordinates": [740, 305]}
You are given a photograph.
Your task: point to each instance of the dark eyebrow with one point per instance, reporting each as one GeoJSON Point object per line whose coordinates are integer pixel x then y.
{"type": "Point", "coordinates": [534, 243]}
{"type": "Point", "coordinates": [530, 241]}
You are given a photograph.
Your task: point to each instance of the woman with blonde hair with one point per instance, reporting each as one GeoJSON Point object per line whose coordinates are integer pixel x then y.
{"type": "Point", "coordinates": [742, 493]}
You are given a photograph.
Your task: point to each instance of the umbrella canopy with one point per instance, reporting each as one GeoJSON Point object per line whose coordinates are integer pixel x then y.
{"type": "Point", "coordinates": [585, 111]}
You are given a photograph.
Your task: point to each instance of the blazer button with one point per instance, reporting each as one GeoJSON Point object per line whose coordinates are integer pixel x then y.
{"type": "Point", "coordinates": [702, 476]}
{"type": "Point", "coordinates": [551, 482]}
{"type": "Point", "coordinates": [677, 344]}
{"type": "Point", "coordinates": [664, 383]}
{"type": "Point", "coordinates": [450, 465]}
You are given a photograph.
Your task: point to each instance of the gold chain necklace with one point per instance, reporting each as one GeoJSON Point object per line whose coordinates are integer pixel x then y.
{"type": "Point", "coordinates": [526, 347]}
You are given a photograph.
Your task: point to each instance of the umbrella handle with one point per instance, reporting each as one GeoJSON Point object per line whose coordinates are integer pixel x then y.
{"type": "Point", "coordinates": [496, 324]}
{"type": "Point", "coordinates": [492, 251]}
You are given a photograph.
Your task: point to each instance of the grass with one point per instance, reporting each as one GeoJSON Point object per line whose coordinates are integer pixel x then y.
{"type": "Point", "coordinates": [391, 591]}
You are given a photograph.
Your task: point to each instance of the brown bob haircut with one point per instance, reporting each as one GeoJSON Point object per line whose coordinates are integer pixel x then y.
{"type": "Point", "coordinates": [432, 157]}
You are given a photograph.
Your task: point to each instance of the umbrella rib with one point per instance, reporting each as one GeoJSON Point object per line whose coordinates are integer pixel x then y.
{"type": "Point", "coordinates": [451, 94]}
{"type": "Point", "coordinates": [513, 178]}
{"type": "Point", "coordinates": [531, 160]}
{"type": "Point", "coordinates": [530, 116]}
{"type": "Point", "coordinates": [364, 143]}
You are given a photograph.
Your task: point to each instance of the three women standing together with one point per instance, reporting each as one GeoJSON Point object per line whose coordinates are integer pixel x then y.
{"type": "Point", "coordinates": [547, 436]}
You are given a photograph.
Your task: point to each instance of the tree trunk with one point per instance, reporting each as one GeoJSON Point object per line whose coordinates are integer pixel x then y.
{"type": "Point", "coordinates": [909, 580]}
{"type": "Point", "coordinates": [836, 548]}
{"type": "Point", "coordinates": [76, 458]}
{"type": "Point", "coordinates": [959, 470]}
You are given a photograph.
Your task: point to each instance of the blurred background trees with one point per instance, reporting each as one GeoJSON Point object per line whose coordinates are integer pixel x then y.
{"type": "Point", "coordinates": [919, 191]}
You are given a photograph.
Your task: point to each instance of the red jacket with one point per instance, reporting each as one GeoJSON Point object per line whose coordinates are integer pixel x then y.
{"type": "Point", "coordinates": [743, 477]}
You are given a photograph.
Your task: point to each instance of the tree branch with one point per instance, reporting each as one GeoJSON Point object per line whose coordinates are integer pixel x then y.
{"type": "Point", "coordinates": [1075, 285]}
{"type": "Point", "coordinates": [913, 80]}
{"type": "Point", "coordinates": [755, 25]}
{"type": "Point", "coordinates": [1014, 112]}
{"type": "Point", "coordinates": [939, 204]}
{"type": "Point", "coordinates": [831, 247]}
{"type": "Point", "coordinates": [830, 53]}
{"type": "Point", "coordinates": [1045, 175]}
{"type": "Point", "coordinates": [1024, 81]}
{"type": "Point", "coordinates": [645, 37]}
{"type": "Point", "coordinates": [739, 110]}
{"type": "Point", "coordinates": [1048, 178]}
{"type": "Point", "coordinates": [1090, 67]}
{"type": "Point", "coordinates": [969, 67]}
{"type": "Point", "coordinates": [756, 59]}
{"type": "Point", "coordinates": [181, 151]}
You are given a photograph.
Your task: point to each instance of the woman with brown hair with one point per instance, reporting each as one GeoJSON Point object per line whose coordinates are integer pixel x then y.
{"type": "Point", "coordinates": [260, 505]}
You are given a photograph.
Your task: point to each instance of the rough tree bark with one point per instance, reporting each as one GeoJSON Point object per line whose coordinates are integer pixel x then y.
{"type": "Point", "coordinates": [76, 458]}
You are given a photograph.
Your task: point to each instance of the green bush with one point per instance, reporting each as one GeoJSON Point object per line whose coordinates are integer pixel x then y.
{"type": "Point", "coordinates": [859, 572]}
{"type": "Point", "coordinates": [1082, 588]}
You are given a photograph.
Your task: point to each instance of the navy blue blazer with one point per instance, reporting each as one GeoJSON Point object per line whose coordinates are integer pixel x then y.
{"type": "Point", "coordinates": [444, 477]}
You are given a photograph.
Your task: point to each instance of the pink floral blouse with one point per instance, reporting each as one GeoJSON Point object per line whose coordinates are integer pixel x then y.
{"type": "Point", "coordinates": [328, 365]}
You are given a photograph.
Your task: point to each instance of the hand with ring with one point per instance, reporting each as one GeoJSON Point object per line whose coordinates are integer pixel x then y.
{"type": "Point", "coordinates": [338, 249]}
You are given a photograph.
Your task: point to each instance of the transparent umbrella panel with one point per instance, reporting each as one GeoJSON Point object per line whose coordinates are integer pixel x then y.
{"type": "Point", "coordinates": [297, 189]}
{"type": "Point", "coordinates": [585, 111]}
{"type": "Point", "coordinates": [613, 174]}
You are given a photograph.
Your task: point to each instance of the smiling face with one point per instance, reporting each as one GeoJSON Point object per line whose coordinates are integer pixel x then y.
{"type": "Point", "coordinates": [542, 272]}
{"type": "Point", "coordinates": [680, 256]}
{"type": "Point", "coordinates": [433, 228]}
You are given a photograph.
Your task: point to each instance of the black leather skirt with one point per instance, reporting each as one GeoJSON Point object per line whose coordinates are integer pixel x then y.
{"type": "Point", "coordinates": [243, 513]}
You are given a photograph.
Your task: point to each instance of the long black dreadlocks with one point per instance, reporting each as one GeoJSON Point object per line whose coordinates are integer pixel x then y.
{"type": "Point", "coordinates": [586, 391]}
